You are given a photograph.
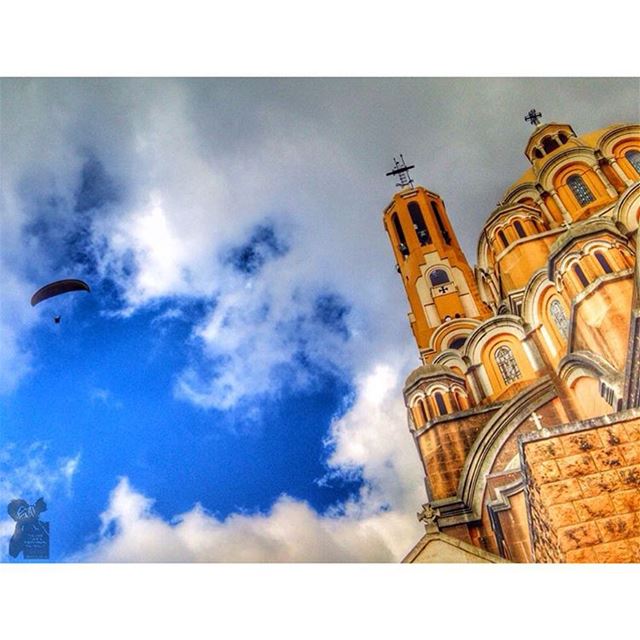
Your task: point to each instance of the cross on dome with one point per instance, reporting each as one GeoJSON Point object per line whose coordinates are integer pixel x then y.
{"type": "Point", "coordinates": [533, 117]}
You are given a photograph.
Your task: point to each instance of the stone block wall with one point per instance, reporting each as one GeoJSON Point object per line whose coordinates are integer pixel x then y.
{"type": "Point", "coordinates": [583, 488]}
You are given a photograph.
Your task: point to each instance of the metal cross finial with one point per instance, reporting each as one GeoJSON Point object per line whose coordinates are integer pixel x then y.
{"type": "Point", "coordinates": [533, 117]}
{"type": "Point", "coordinates": [401, 170]}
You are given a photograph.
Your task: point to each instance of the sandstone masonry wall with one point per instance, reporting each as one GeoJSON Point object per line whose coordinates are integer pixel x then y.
{"type": "Point", "coordinates": [584, 493]}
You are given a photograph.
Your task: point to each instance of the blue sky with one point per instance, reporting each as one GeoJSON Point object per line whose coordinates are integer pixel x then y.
{"type": "Point", "coordinates": [231, 387]}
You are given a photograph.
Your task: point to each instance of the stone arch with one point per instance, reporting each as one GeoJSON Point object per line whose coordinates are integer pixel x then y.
{"type": "Point", "coordinates": [579, 170]}
{"type": "Point", "coordinates": [446, 333]}
{"type": "Point", "coordinates": [504, 330]}
{"type": "Point", "coordinates": [628, 210]}
{"type": "Point", "coordinates": [584, 374]}
{"type": "Point", "coordinates": [538, 296]}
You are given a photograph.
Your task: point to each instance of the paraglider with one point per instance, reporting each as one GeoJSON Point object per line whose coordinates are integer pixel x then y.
{"type": "Point", "coordinates": [57, 288]}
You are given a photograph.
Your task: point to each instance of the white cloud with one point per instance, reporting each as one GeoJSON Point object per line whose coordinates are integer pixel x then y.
{"type": "Point", "coordinates": [377, 525]}
{"type": "Point", "coordinates": [199, 164]}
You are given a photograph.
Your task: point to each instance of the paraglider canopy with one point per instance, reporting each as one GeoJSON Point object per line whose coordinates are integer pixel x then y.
{"type": "Point", "coordinates": [56, 288]}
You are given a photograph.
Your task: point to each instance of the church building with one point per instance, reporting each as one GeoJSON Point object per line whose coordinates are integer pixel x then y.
{"type": "Point", "coordinates": [525, 409]}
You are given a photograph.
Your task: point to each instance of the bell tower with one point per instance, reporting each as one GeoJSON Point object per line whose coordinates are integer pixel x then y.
{"type": "Point", "coordinates": [437, 278]}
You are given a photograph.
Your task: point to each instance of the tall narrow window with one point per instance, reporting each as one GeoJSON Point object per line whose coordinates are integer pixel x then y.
{"type": "Point", "coordinates": [563, 138]}
{"type": "Point", "coordinates": [559, 318]}
{"type": "Point", "coordinates": [425, 411]}
{"type": "Point", "coordinates": [580, 189]}
{"type": "Point", "coordinates": [438, 276]}
{"type": "Point", "coordinates": [402, 241]}
{"type": "Point", "coordinates": [549, 144]}
{"type": "Point", "coordinates": [503, 238]}
{"type": "Point", "coordinates": [577, 269]}
{"type": "Point", "coordinates": [507, 364]}
{"type": "Point", "coordinates": [606, 267]}
{"type": "Point", "coordinates": [443, 229]}
{"type": "Point", "coordinates": [519, 228]}
{"type": "Point", "coordinates": [420, 413]}
{"type": "Point", "coordinates": [418, 223]}
{"type": "Point", "coordinates": [633, 157]}
{"type": "Point", "coordinates": [442, 409]}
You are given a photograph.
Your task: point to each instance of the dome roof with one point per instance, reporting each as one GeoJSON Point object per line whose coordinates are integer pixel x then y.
{"type": "Point", "coordinates": [590, 139]}
{"type": "Point", "coordinates": [427, 371]}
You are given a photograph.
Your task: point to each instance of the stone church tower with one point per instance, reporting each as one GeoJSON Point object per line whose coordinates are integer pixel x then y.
{"type": "Point", "coordinates": [525, 410]}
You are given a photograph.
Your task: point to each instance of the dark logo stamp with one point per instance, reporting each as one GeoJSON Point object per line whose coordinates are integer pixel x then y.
{"type": "Point", "coordinates": [31, 535]}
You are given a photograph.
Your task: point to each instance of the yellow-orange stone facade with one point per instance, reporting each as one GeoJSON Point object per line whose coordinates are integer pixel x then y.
{"type": "Point", "coordinates": [525, 409]}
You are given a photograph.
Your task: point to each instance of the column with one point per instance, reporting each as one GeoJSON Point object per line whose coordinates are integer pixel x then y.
{"type": "Point", "coordinates": [565, 212]}
{"type": "Point", "coordinates": [608, 186]}
{"type": "Point", "coordinates": [545, 212]}
{"type": "Point", "coordinates": [621, 174]}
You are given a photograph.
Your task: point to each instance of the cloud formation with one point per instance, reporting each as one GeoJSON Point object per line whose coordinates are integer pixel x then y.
{"type": "Point", "coordinates": [262, 200]}
{"type": "Point", "coordinates": [377, 525]}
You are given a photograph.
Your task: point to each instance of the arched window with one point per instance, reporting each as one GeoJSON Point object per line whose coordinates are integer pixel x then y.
{"type": "Point", "coordinates": [442, 408]}
{"type": "Point", "coordinates": [537, 153]}
{"type": "Point", "coordinates": [563, 138]}
{"type": "Point", "coordinates": [580, 189]}
{"type": "Point", "coordinates": [507, 364]}
{"type": "Point", "coordinates": [549, 144]}
{"type": "Point", "coordinates": [443, 229]}
{"type": "Point", "coordinates": [463, 402]}
{"type": "Point", "coordinates": [418, 223]}
{"type": "Point", "coordinates": [559, 318]}
{"type": "Point", "coordinates": [457, 343]}
{"type": "Point", "coordinates": [606, 267]}
{"type": "Point", "coordinates": [633, 157]}
{"type": "Point", "coordinates": [577, 269]}
{"type": "Point", "coordinates": [420, 413]}
{"type": "Point", "coordinates": [519, 229]}
{"type": "Point", "coordinates": [503, 238]}
{"type": "Point", "coordinates": [438, 276]}
{"type": "Point", "coordinates": [400, 233]}
{"type": "Point", "coordinates": [425, 409]}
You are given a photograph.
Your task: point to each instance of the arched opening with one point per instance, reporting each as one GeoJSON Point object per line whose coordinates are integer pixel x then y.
{"type": "Point", "coordinates": [588, 401]}
{"type": "Point", "coordinates": [580, 190]}
{"type": "Point", "coordinates": [420, 413]}
{"type": "Point", "coordinates": [602, 261]}
{"type": "Point", "coordinates": [507, 365]}
{"type": "Point", "coordinates": [419, 224]}
{"type": "Point", "coordinates": [438, 276]}
{"type": "Point", "coordinates": [563, 138]}
{"type": "Point", "coordinates": [442, 407]}
{"type": "Point", "coordinates": [457, 343]}
{"type": "Point", "coordinates": [549, 144]}
{"type": "Point", "coordinates": [443, 229]}
{"type": "Point", "coordinates": [503, 238]}
{"type": "Point", "coordinates": [402, 241]}
{"type": "Point", "coordinates": [519, 228]}
{"type": "Point", "coordinates": [556, 311]}
{"type": "Point", "coordinates": [463, 402]}
{"type": "Point", "coordinates": [633, 156]}
{"type": "Point", "coordinates": [577, 269]}
{"type": "Point", "coordinates": [537, 153]}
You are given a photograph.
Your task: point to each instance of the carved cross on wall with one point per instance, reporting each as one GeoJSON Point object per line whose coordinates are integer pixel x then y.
{"type": "Point", "coordinates": [443, 289]}
{"type": "Point", "coordinates": [429, 517]}
{"type": "Point", "coordinates": [536, 418]}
